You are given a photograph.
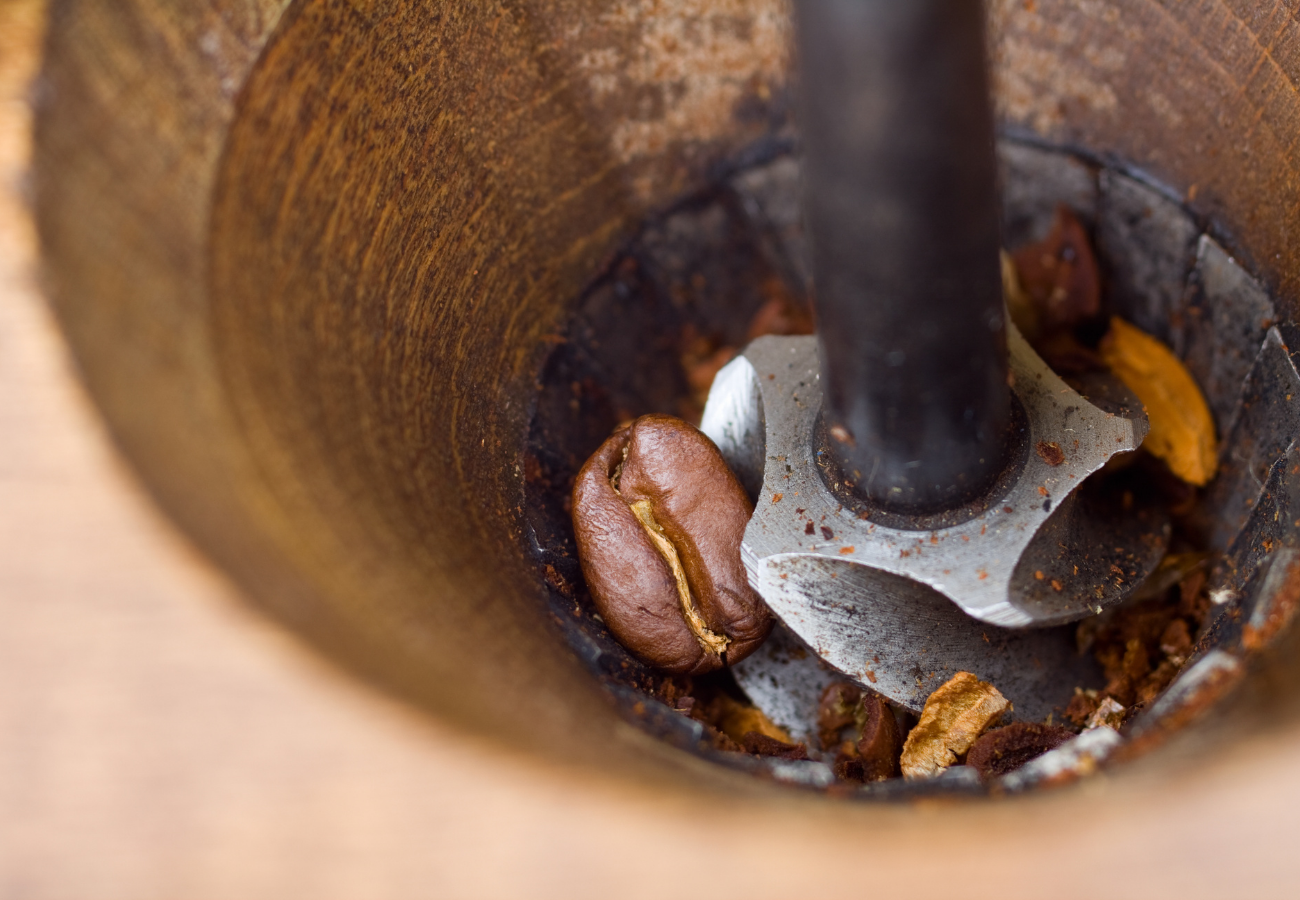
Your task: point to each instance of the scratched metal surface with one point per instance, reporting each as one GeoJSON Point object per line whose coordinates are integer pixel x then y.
{"type": "Point", "coordinates": [972, 562]}
{"type": "Point", "coordinates": [1189, 290]}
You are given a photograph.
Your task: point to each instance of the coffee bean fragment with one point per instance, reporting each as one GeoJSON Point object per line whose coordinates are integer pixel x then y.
{"type": "Point", "coordinates": [1053, 292]}
{"type": "Point", "coordinates": [738, 727]}
{"type": "Point", "coordinates": [1109, 714]}
{"type": "Point", "coordinates": [1082, 706]}
{"type": "Point", "coordinates": [1176, 641]}
{"type": "Point", "coordinates": [1051, 452]}
{"type": "Point", "coordinates": [1141, 646]}
{"type": "Point", "coordinates": [783, 313]}
{"type": "Point", "coordinates": [736, 719]}
{"type": "Point", "coordinates": [1006, 749]}
{"type": "Point", "coordinates": [848, 768]}
{"type": "Point", "coordinates": [1181, 427]}
{"type": "Point", "coordinates": [874, 752]}
{"type": "Point", "coordinates": [836, 710]}
{"type": "Point", "coordinates": [881, 743]}
{"type": "Point", "coordinates": [1060, 278]}
{"type": "Point", "coordinates": [659, 518]}
{"type": "Point", "coordinates": [762, 745]}
{"type": "Point", "coordinates": [953, 718]}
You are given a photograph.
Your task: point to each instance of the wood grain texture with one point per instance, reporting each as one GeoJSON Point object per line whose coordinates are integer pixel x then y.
{"type": "Point", "coordinates": [401, 199]}
{"type": "Point", "coordinates": [157, 738]}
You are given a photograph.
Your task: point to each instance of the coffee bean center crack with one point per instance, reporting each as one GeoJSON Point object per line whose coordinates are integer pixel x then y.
{"type": "Point", "coordinates": [644, 512]}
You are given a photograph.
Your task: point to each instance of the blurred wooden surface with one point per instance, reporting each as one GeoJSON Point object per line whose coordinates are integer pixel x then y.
{"type": "Point", "coordinates": [157, 739]}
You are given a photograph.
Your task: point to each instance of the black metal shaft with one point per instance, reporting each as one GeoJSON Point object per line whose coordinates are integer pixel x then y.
{"type": "Point", "coordinates": [901, 203]}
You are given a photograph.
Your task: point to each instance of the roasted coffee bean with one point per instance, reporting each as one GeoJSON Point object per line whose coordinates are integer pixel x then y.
{"type": "Point", "coordinates": [736, 719]}
{"type": "Point", "coordinates": [1082, 706]}
{"type": "Point", "coordinates": [1181, 426]}
{"type": "Point", "coordinates": [836, 710]}
{"type": "Point", "coordinates": [953, 718]}
{"type": "Point", "coordinates": [874, 753]}
{"type": "Point", "coordinates": [760, 744]}
{"type": "Point", "coordinates": [659, 518]}
{"type": "Point", "coordinates": [1060, 276]}
{"type": "Point", "coordinates": [1004, 750]}
{"type": "Point", "coordinates": [881, 743]}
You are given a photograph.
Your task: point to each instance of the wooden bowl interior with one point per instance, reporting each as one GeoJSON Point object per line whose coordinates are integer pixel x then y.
{"type": "Point", "coordinates": [310, 264]}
